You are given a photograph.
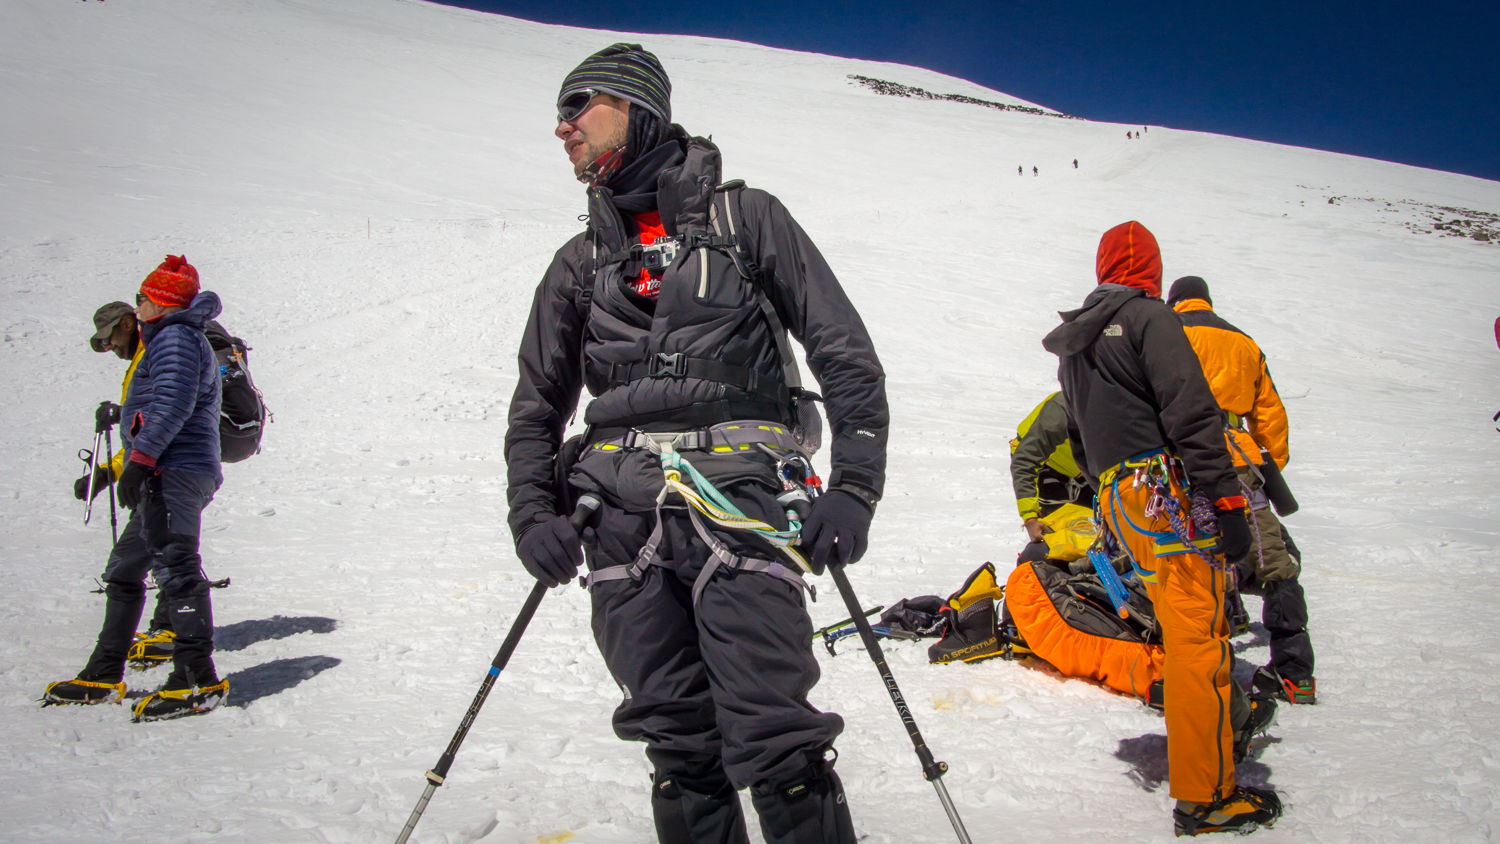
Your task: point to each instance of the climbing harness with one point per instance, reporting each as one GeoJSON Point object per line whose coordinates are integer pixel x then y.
{"type": "Point", "coordinates": [1160, 473]}
{"type": "Point", "coordinates": [706, 504]}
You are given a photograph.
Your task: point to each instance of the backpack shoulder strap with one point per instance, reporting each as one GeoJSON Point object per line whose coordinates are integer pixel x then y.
{"type": "Point", "coordinates": [584, 300]}
{"type": "Point", "coordinates": [759, 276]}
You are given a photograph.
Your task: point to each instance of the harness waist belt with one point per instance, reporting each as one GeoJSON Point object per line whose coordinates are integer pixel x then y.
{"type": "Point", "coordinates": [724, 438]}
{"type": "Point", "coordinates": [1135, 462]}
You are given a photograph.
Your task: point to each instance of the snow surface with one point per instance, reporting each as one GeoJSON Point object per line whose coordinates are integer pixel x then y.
{"type": "Point", "coordinates": [373, 189]}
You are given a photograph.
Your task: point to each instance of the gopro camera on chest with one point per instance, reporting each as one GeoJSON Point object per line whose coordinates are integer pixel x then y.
{"type": "Point", "coordinates": [657, 256]}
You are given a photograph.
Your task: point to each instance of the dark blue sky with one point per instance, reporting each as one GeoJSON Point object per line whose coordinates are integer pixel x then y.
{"type": "Point", "coordinates": [1413, 82]}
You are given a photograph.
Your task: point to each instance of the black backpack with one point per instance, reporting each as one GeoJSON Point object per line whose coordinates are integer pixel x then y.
{"type": "Point", "coordinates": [242, 414]}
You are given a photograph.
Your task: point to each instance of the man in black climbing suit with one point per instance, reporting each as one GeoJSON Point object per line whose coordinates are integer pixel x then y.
{"type": "Point", "coordinates": [671, 308]}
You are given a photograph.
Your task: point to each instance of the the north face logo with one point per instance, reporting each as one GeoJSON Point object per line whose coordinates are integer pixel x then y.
{"type": "Point", "coordinates": [1113, 331]}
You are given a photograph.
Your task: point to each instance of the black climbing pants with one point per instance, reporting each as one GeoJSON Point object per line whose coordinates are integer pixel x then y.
{"type": "Point", "coordinates": [160, 536]}
{"type": "Point", "coordinates": [717, 691]}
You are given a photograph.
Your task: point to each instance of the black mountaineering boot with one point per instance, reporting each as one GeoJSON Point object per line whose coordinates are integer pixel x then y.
{"type": "Point", "coordinates": [193, 695]}
{"type": "Point", "coordinates": [807, 810]}
{"type": "Point", "coordinates": [82, 692]}
{"type": "Point", "coordinates": [1262, 716]}
{"type": "Point", "coordinates": [972, 635]}
{"type": "Point", "coordinates": [100, 679]}
{"type": "Point", "coordinates": [697, 808]}
{"type": "Point", "coordinates": [1268, 682]}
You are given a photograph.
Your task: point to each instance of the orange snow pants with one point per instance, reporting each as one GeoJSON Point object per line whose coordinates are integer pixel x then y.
{"type": "Point", "coordinates": [1188, 596]}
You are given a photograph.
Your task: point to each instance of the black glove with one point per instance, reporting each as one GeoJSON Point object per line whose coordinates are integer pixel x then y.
{"type": "Point", "coordinates": [106, 417]}
{"type": "Point", "coordinates": [100, 477]}
{"type": "Point", "coordinates": [551, 551]}
{"type": "Point", "coordinates": [1234, 535]}
{"type": "Point", "coordinates": [839, 520]}
{"type": "Point", "coordinates": [132, 484]}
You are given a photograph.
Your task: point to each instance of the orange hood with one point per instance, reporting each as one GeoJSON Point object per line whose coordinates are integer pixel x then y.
{"type": "Point", "coordinates": [1129, 256]}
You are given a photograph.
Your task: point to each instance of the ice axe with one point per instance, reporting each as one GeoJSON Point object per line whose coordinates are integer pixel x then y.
{"type": "Point", "coordinates": [588, 505]}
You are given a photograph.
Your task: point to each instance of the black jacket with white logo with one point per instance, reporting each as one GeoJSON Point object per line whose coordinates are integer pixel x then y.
{"type": "Point", "coordinates": [1133, 385]}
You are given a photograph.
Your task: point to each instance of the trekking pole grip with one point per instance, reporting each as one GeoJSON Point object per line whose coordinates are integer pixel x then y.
{"type": "Point", "coordinates": [588, 505]}
{"type": "Point", "coordinates": [932, 770]}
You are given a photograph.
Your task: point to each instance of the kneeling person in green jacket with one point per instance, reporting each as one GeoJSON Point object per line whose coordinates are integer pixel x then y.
{"type": "Point", "coordinates": [1043, 471]}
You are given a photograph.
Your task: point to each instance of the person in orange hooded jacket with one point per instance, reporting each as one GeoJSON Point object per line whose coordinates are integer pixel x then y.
{"type": "Point", "coordinates": [1256, 431]}
{"type": "Point", "coordinates": [1147, 432]}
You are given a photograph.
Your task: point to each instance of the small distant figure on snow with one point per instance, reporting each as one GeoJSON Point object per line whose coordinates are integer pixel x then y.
{"type": "Point", "coordinates": [1146, 129]}
{"type": "Point", "coordinates": [1128, 135]}
{"type": "Point", "coordinates": [1020, 171]}
{"type": "Point", "coordinates": [1137, 135]}
{"type": "Point", "coordinates": [1075, 164]}
{"type": "Point", "coordinates": [1033, 171]}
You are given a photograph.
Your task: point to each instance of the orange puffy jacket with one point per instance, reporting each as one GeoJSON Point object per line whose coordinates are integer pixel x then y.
{"type": "Point", "coordinates": [1237, 374]}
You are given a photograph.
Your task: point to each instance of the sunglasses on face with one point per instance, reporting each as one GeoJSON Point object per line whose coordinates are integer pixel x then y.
{"type": "Point", "coordinates": [140, 299]}
{"type": "Point", "coordinates": [575, 104]}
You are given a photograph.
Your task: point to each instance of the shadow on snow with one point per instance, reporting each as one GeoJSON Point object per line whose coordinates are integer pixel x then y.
{"type": "Point", "coordinates": [243, 634]}
{"type": "Point", "coordinates": [274, 677]}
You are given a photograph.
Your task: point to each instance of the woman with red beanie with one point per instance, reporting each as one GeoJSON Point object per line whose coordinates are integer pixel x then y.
{"type": "Point", "coordinates": [169, 425]}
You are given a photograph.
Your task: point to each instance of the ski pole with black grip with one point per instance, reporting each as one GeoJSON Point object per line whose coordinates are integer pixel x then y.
{"type": "Point", "coordinates": [588, 505]}
{"type": "Point", "coordinates": [932, 770]}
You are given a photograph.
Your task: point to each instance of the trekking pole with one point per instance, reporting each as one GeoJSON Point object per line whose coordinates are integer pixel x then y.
{"type": "Point", "coordinates": [587, 506]}
{"type": "Point", "coordinates": [87, 456]}
{"type": "Point", "coordinates": [932, 770]}
{"type": "Point", "coordinates": [114, 530]}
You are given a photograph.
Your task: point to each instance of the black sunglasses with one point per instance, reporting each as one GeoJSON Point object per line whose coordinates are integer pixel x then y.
{"type": "Point", "coordinates": [140, 299]}
{"type": "Point", "coordinates": [575, 104]}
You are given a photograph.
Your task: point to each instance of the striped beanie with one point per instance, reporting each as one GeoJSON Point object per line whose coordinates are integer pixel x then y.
{"type": "Point", "coordinates": [627, 71]}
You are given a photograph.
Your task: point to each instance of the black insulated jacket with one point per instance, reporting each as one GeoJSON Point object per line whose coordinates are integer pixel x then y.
{"type": "Point", "coordinates": [1133, 385]}
{"type": "Point", "coordinates": [585, 331]}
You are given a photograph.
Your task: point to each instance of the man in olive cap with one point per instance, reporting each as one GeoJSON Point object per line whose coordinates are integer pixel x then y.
{"type": "Point", "coordinates": [672, 308]}
{"type": "Point", "coordinates": [116, 330]}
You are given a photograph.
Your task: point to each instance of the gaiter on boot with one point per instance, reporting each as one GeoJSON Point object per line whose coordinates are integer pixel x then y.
{"type": "Point", "coordinates": [810, 810]}
{"type": "Point", "coordinates": [1285, 616]}
{"type": "Point", "coordinates": [697, 807]}
{"type": "Point", "coordinates": [123, 604]}
{"type": "Point", "coordinates": [193, 619]}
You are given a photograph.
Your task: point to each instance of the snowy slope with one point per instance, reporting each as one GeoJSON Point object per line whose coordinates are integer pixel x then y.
{"type": "Point", "coordinates": [373, 189]}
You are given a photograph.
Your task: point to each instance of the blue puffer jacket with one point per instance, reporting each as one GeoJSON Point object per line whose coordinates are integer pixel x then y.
{"type": "Point", "coordinates": [171, 416]}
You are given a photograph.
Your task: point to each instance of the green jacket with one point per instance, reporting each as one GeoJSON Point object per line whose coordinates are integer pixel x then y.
{"type": "Point", "coordinates": [1041, 442]}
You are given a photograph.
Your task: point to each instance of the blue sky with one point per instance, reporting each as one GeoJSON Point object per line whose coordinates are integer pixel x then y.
{"type": "Point", "coordinates": [1416, 83]}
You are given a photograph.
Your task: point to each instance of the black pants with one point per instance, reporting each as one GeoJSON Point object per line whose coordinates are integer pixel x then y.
{"type": "Point", "coordinates": [1284, 613]}
{"type": "Point", "coordinates": [726, 680]}
{"type": "Point", "coordinates": [161, 536]}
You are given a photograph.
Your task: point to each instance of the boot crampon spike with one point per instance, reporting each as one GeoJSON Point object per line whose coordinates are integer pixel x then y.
{"type": "Point", "coordinates": [82, 692]}
{"type": "Point", "coordinates": [151, 649]}
{"type": "Point", "coordinates": [180, 703]}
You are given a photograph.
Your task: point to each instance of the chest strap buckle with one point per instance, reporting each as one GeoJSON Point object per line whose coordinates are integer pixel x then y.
{"type": "Point", "coordinates": [674, 365]}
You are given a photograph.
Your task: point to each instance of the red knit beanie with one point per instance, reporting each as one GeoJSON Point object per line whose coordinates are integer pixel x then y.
{"type": "Point", "coordinates": [173, 284]}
